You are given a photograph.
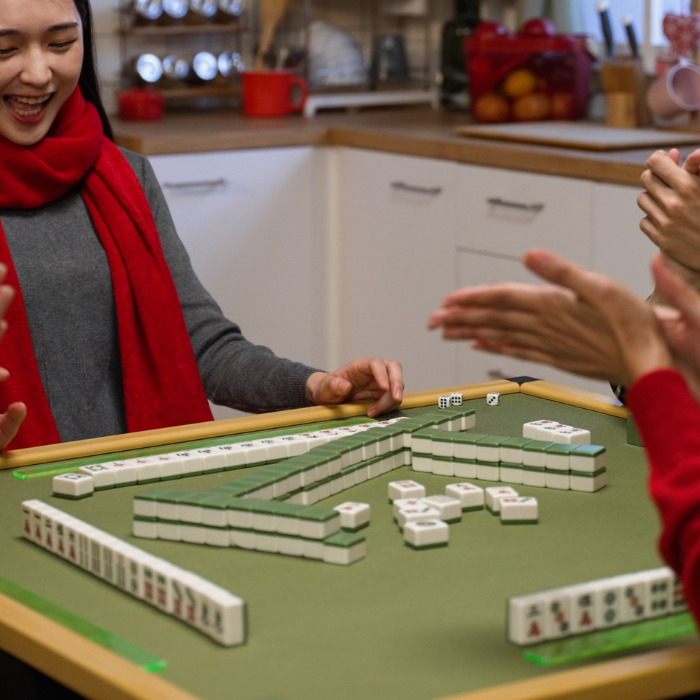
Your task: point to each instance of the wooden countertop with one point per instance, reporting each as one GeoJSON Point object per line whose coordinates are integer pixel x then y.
{"type": "Point", "coordinates": [408, 131]}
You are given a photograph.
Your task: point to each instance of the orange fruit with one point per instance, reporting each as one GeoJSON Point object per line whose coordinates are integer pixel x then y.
{"type": "Point", "coordinates": [562, 105]}
{"type": "Point", "coordinates": [531, 108]}
{"type": "Point", "coordinates": [519, 83]}
{"type": "Point", "coordinates": [491, 108]}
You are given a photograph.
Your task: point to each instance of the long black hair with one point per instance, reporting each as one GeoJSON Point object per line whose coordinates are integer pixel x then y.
{"type": "Point", "coordinates": [88, 82]}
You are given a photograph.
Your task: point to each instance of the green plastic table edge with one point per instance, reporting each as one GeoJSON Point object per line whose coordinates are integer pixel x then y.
{"type": "Point", "coordinates": [70, 465]}
{"type": "Point", "coordinates": [127, 650]}
{"type": "Point", "coordinates": [609, 641]}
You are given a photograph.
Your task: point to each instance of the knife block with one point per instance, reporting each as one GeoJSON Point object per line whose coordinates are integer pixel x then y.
{"type": "Point", "coordinates": [624, 86]}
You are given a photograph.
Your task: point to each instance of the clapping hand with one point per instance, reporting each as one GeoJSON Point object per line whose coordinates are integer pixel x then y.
{"type": "Point", "coordinates": [582, 322]}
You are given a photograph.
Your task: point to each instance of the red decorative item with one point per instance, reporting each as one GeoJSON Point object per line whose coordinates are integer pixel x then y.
{"type": "Point", "coordinates": [140, 104]}
{"type": "Point", "coordinates": [683, 31]}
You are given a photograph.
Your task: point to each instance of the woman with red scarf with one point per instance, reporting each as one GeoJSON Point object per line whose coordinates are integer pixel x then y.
{"type": "Point", "coordinates": [109, 330]}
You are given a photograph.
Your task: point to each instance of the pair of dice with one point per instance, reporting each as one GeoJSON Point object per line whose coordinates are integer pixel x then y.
{"type": "Point", "coordinates": [455, 399]}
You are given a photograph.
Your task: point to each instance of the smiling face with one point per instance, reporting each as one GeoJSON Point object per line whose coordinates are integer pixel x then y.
{"type": "Point", "coordinates": [41, 55]}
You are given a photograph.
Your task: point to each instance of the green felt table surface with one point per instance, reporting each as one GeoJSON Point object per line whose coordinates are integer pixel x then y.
{"type": "Point", "coordinates": [399, 625]}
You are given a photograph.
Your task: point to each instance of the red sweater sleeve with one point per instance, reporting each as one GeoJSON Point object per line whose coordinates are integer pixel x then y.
{"type": "Point", "coordinates": [668, 419]}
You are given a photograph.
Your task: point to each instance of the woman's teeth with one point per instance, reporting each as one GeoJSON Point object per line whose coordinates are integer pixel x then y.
{"type": "Point", "coordinates": [15, 101]}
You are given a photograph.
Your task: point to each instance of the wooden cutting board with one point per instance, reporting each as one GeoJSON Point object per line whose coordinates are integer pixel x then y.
{"type": "Point", "coordinates": [591, 137]}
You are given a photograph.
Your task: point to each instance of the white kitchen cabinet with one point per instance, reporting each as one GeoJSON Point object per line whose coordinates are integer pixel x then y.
{"type": "Point", "coordinates": [396, 216]}
{"type": "Point", "coordinates": [506, 212]}
{"type": "Point", "coordinates": [620, 249]}
{"type": "Point", "coordinates": [252, 222]}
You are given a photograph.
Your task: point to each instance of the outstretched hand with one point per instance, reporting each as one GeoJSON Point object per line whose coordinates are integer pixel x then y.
{"type": "Point", "coordinates": [584, 322]}
{"type": "Point", "coordinates": [360, 380]}
{"type": "Point", "coordinates": [11, 420]}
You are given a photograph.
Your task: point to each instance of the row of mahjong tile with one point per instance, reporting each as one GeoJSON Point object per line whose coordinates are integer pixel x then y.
{"type": "Point", "coordinates": [342, 548]}
{"type": "Point", "coordinates": [221, 510]}
{"type": "Point", "coordinates": [268, 526]}
{"type": "Point", "coordinates": [330, 469]}
{"type": "Point", "coordinates": [553, 431]}
{"type": "Point", "coordinates": [512, 460]}
{"type": "Point", "coordinates": [595, 605]}
{"type": "Point", "coordinates": [188, 597]}
{"type": "Point", "coordinates": [357, 445]}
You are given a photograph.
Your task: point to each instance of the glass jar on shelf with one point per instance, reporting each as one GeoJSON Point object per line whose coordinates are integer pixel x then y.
{"type": "Point", "coordinates": [175, 11]}
{"type": "Point", "coordinates": [205, 68]}
{"type": "Point", "coordinates": [230, 10]}
{"type": "Point", "coordinates": [176, 70]}
{"type": "Point", "coordinates": [202, 11]}
{"type": "Point", "coordinates": [231, 65]}
{"type": "Point", "coordinates": [147, 68]}
{"type": "Point", "coordinates": [147, 11]}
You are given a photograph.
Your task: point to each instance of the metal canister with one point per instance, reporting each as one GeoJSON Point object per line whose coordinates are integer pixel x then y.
{"type": "Point", "coordinates": [233, 8]}
{"type": "Point", "coordinates": [176, 9]}
{"type": "Point", "coordinates": [149, 68]}
{"type": "Point", "coordinates": [149, 10]}
{"type": "Point", "coordinates": [205, 8]}
{"type": "Point", "coordinates": [230, 64]}
{"type": "Point", "coordinates": [176, 67]}
{"type": "Point", "coordinates": [205, 66]}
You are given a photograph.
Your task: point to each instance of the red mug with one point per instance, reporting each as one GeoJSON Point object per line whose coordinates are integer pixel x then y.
{"type": "Point", "coordinates": [270, 93]}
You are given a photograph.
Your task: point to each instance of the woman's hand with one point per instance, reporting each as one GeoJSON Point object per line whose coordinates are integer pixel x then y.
{"type": "Point", "coordinates": [584, 322]}
{"type": "Point", "coordinates": [11, 420]}
{"type": "Point", "coordinates": [359, 380]}
{"type": "Point", "coordinates": [672, 206]}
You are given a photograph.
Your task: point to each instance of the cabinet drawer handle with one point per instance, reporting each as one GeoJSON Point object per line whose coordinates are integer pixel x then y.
{"type": "Point", "coordinates": [221, 182]}
{"type": "Point", "coordinates": [432, 191]}
{"type": "Point", "coordinates": [498, 202]}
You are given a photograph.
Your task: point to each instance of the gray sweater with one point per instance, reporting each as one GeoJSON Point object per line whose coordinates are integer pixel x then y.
{"type": "Point", "coordinates": [67, 290]}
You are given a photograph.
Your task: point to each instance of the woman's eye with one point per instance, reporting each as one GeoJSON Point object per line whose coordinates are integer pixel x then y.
{"type": "Point", "coordinates": [64, 45]}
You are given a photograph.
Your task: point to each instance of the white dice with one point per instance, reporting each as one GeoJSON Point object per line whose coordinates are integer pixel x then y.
{"type": "Point", "coordinates": [456, 398]}
{"type": "Point", "coordinates": [493, 398]}
{"type": "Point", "coordinates": [444, 402]}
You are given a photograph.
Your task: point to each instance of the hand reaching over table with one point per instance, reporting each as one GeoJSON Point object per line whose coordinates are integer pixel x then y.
{"type": "Point", "coordinates": [359, 380]}
{"type": "Point", "coordinates": [583, 322]}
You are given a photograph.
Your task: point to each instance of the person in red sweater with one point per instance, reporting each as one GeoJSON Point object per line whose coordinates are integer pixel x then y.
{"type": "Point", "coordinates": [586, 323]}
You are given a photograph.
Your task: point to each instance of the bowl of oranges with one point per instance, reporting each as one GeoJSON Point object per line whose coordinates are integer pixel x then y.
{"type": "Point", "coordinates": [533, 75]}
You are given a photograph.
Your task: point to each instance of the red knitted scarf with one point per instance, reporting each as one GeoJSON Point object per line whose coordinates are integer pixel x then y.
{"type": "Point", "coordinates": [162, 385]}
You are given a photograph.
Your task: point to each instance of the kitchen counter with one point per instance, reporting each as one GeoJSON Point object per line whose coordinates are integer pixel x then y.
{"type": "Point", "coordinates": [409, 131]}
